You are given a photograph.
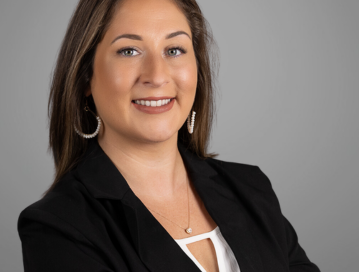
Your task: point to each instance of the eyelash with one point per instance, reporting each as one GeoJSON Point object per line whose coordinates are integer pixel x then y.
{"type": "Point", "coordinates": [172, 48]}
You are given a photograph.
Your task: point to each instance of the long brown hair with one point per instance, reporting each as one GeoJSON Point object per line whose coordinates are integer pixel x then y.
{"type": "Point", "coordinates": [74, 70]}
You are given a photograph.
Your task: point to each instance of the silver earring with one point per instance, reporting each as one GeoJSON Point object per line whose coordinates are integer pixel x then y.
{"type": "Point", "coordinates": [190, 123]}
{"type": "Point", "coordinates": [89, 136]}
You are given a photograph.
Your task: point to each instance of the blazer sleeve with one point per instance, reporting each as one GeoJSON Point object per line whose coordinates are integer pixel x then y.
{"type": "Point", "coordinates": [50, 244]}
{"type": "Point", "coordinates": [298, 260]}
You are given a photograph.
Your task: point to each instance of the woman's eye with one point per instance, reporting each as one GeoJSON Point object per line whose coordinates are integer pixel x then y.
{"type": "Point", "coordinates": [174, 52]}
{"type": "Point", "coordinates": [128, 52]}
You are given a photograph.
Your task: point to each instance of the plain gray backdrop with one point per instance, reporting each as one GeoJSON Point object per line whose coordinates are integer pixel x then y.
{"type": "Point", "coordinates": [288, 103]}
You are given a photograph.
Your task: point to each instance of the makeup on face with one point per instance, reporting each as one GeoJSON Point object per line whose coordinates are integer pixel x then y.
{"type": "Point", "coordinates": [145, 72]}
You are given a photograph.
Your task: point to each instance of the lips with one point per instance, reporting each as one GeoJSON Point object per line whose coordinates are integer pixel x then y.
{"type": "Point", "coordinates": [154, 105]}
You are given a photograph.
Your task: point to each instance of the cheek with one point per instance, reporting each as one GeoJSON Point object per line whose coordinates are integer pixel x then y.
{"type": "Point", "coordinates": [111, 90]}
{"type": "Point", "coordinates": [186, 81]}
{"type": "Point", "coordinates": [186, 78]}
{"type": "Point", "coordinates": [113, 78]}
{"type": "Point", "coordinates": [112, 82]}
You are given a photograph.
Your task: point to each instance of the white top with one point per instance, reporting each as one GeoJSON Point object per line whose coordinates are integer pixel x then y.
{"type": "Point", "coordinates": [225, 257]}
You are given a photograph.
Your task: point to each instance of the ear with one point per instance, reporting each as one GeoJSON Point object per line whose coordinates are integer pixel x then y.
{"type": "Point", "coordinates": [88, 92]}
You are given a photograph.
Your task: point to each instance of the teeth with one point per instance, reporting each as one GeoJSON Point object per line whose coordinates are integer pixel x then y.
{"type": "Point", "coordinates": [153, 103]}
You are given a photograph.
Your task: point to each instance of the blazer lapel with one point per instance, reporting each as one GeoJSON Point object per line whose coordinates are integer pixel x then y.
{"type": "Point", "coordinates": [155, 246]}
{"type": "Point", "coordinates": [225, 209]}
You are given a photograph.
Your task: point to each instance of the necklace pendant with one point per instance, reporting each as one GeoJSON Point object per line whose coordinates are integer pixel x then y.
{"type": "Point", "coordinates": [189, 230]}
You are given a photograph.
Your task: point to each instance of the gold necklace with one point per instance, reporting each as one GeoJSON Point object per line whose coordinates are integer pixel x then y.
{"type": "Point", "coordinates": [187, 230]}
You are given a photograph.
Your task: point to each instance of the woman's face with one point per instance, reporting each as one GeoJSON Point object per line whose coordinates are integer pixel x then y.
{"type": "Point", "coordinates": [146, 57]}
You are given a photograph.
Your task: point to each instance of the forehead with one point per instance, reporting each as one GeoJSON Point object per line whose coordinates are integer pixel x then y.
{"type": "Point", "coordinates": [148, 18]}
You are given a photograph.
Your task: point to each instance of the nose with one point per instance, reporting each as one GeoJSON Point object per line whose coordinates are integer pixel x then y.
{"type": "Point", "coordinates": [154, 71]}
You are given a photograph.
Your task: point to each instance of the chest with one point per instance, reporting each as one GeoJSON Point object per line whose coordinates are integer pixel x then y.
{"type": "Point", "coordinates": [190, 212]}
{"type": "Point", "coordinates": [155, 247]}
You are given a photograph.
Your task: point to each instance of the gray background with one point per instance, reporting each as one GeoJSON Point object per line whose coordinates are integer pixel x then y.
{"type": "Point", "coordinates": [289, 104]}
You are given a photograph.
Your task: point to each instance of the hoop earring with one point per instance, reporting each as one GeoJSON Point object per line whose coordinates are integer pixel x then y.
{"type": "Point", "coordinates": [190, 123]}
{"type": "Point", "coordinates": [89, 136]}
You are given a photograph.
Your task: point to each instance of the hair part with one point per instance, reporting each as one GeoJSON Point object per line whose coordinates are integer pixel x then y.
{"type": "Point", "coordinates": [74, 69]}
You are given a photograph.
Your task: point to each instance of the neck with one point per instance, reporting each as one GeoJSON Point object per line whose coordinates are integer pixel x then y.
{"type": "Point", "coordinates": [151, 169]}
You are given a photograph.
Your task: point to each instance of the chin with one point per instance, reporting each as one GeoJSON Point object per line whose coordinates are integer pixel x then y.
{"type": "Point", "coordinates": [159, 135]}
{"type": "Point", "coordinates": [156, 130]}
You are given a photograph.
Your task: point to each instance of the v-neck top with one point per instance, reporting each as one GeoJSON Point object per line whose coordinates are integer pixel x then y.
{"type": "Point", "coordinates": [225, 257]}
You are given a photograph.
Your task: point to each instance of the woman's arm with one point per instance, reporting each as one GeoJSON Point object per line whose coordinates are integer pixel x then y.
{"type": "Point", "coordinates": [298, 260]}
{"type": "Point", "coordinates": [50, 244]}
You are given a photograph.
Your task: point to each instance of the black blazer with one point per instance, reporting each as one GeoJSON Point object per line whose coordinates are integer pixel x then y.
{"type": "Point", "coordinates": [93, 222]}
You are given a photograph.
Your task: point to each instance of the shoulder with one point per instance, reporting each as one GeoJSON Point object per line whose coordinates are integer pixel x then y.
{"type": "Point", "coordinates": [61, 208]}
{"type": "Point", "coordinates": [233, 167]}
{"type": "Point", "coordinates": [65, 229]}
{"type": "Point", "coordinates": [246, 174]}
{"type": "Point", "coordinates": [254, 191]}
{"type": "Point", "coordinates": [67, 192]}
{"type": "Point", "coordinates": [248, 183]}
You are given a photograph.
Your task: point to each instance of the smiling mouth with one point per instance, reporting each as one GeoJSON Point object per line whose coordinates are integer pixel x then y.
{"type": "Point", "coordinates": [153, 103]}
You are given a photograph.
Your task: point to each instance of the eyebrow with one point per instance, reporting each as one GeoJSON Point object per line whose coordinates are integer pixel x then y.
{"type": "Point", "coordinates": [139, 38]}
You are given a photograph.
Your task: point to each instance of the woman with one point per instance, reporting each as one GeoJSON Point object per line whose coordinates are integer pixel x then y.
{"type": "Point", "coordinates": [141, 193]}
